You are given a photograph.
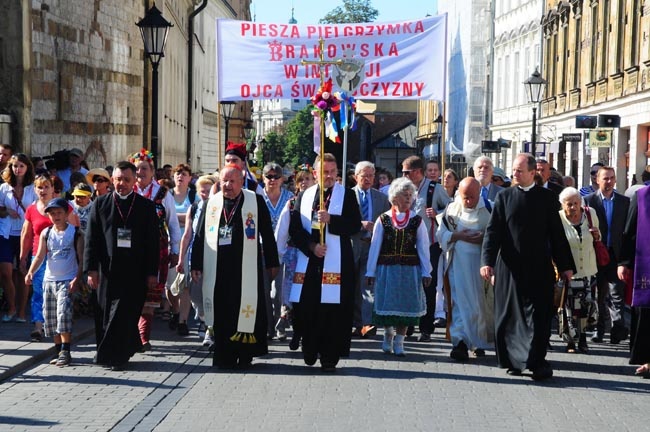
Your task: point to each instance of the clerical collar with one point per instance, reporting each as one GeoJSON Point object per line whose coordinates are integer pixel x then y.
{"type": "Point", "coordinates": [233, 199]}
{"type": "Point", "coordinates": [526, 188]}
{"type": "Point", "coordinates": [123, 197]}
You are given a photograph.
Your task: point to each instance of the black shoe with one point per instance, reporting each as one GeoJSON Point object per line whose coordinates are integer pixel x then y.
{"type": "Point", "coordinates": [424, 337]}
{"type": "Point", "coordinates": [440, 322]}
{"type": "Point", "coordinates": [514, 372]}
{"type": "Point", "coordinates": [173, 322]}
{"type": "Point", "coordinates": [310, 359]}
{"type": "Point", "coordinates": [244, 362]}
{"type": "Point", "coordinates": [118, 367]}
{"type": "Point", "coordinates": [597, 339]}
{"type": "Point", "coordinates": [459, 352]}
{"type": "Point", "coordinates": [618, 334]}
{"type": "Point", "coordinates": [182, 329]}
{"type": "Point", "coordinates": [328, 367]}
{"type": "Point", "coordinates": [145, 347]}
{"type": "Point", "coordinates": [542, 373]}
{"type": "Point", "coordinates": [410, 330]}
{"type": "Point", "coordinates": [295, 343]}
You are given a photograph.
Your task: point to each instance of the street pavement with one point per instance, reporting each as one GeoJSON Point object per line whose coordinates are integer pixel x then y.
{"type": "Point", "coordinates": [175, 388]}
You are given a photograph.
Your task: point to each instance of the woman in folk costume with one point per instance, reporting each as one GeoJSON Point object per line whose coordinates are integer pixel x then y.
{"type": "Point", "coordinates": [227, 253]}
{"type": "Point", "coordinates": [170, 235]}
{"type": "Point", "coordinates": [399, 262]}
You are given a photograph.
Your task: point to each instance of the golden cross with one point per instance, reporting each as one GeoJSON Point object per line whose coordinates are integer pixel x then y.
{"type": "Point", "coordinates": [248, 311]}
{"type": "Point", "coordinates": [320, 62]}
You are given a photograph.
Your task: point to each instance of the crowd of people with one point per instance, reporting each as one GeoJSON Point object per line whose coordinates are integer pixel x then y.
{"type": "Point", "coordinates": [488, 259]}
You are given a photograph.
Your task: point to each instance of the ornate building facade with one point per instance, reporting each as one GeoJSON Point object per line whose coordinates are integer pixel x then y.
{"type": "Point", "coordinates": [597, 62]}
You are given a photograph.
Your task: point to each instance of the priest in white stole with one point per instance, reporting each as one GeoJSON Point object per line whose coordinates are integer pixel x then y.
{"type": "Point", "coordinates": [324, 281]}
{"type": "Point", "coordinates": [227, 252]}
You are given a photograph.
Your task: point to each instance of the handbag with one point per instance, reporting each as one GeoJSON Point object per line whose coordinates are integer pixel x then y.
{"type": "Point", "coordinates": [602, 254]}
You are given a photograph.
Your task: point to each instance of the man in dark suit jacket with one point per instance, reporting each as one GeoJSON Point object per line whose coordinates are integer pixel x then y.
{"type": "Point", "coordinates": [377, 203]}
{"type": "Point", "coordinates": [544, 170]}
{"type": "Point", "coordinates": [121, 257]}
{"type": "Point", "coordinates": [612, 209]}
{"type": "Point", "coordinates": [483, 172]}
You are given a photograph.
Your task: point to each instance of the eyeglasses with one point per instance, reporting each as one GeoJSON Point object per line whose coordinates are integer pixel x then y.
{"type": "Point", "coordinates": [273, 177]}
{"type": "Point", "coordinates": [99, 179]}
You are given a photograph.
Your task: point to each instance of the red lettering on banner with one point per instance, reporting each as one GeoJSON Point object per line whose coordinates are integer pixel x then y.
{"type": "Point", "coordinates": [331, 51]}
{"type": "Point", "coordinates": [308, 90]}
{"type": "Point", "coordinates": [392, 51]}
{"type": "Point", "coordinates": [269, 30]}
{"type": "Point", "coordinates": [364, 50]}
{"type": "Point", "coordinates": [245, 91]}
{"type": "Point", "coordinates": [393, 28]}
{"type": "Point", "coordinates": [419, 27]}
{"type": "Point", "coordinates": [394, 88]}
{"type": "Point", "coordinates": [379, 50]}
{"type": "Point", "coordinates": [290, 51]}
{"type": "Point", "coordinates": [313, 71]}
{"type": "Point", "coordinates": [373, 70]}
{"type": "Point", "coordinates": [260, 90]}
{"type": "Point", "coordinates": [290, 71]}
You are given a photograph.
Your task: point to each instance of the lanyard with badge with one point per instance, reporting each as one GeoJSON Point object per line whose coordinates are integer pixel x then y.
{"type": "Point", "coordinates": [124, 233]}
{"type": "Point", "coordinates": [225, 232]}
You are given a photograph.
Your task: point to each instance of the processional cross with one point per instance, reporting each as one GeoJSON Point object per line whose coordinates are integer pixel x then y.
{"type": "Point", "coordinates": [321, 62]}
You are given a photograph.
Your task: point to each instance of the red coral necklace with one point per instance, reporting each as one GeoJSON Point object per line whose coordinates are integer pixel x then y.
{"type": "Point", "coordinates": [400, 224]}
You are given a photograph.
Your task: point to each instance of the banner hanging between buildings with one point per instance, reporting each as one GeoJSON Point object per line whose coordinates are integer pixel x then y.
{"type": "Point", "coordinates": [395, 60]}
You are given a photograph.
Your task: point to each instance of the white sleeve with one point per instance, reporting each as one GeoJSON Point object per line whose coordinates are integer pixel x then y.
{"type": "Point", "coordinates": [375, 248]}
{"type": "Point", "coordinates": [172, 223]}
{"type": "Point", "coordinates": [423, 244]}
{"type": "Point", "coordinates": [282, 230]}
{"type": "Point", "coordinates": [443, 235]}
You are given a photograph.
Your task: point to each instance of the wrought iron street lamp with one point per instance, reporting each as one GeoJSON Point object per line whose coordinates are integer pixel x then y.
{"type": "Point", "coordinates": [154, 29]}
{"type": "Point", "coordinates": [227, 108]}
{"type": "Point", "coordinates": [534, 89]}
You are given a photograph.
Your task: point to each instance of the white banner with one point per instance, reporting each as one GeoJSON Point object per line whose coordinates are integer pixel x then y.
{"type": "Point", "coordinates": [396, 60]}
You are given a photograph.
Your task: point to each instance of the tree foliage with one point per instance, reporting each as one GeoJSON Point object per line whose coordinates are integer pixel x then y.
{"type": "Point", "coordinates": [299, 138]}
{"type": "Point", "coordinates": [352, 11]}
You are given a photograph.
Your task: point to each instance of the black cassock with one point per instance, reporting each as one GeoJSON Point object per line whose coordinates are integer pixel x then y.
{"type": "Point", "coordinates": [227, 288]}
{"type": "Point", "coordinates": [522, 240]}
{"type": "Point", "coordinates": [326, 328]}
{"type": "Point", "coordinates": [640, 328]}
{"type": "Point", "coordinates": [123, 271]}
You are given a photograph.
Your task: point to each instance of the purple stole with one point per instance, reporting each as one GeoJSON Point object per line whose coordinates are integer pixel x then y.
{"type": "Point", "coordinates": [641, 283]}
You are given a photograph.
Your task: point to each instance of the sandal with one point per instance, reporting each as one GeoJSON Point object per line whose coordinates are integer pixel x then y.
{"type": "Point", "coordinates": [643, 371]}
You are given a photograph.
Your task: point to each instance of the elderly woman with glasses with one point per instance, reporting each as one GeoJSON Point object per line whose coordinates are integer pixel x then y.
{"type": "Point", "coordinates": [399, 266]}
{"type": "Point", "coordinates": [579, 308]}
{"type": "Point", "coordinates": [276, 198]}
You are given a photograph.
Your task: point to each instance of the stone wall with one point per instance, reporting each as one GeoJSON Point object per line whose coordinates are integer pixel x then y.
{"type": "Point", "coordinates": [87, 78]}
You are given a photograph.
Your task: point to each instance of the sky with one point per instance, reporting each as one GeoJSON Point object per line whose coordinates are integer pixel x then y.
{"type": "Point", "coordinates": [310, 11]}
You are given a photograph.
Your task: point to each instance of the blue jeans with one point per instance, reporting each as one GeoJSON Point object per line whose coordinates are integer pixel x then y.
{"type": "Point", "coordinates": [37, 295]}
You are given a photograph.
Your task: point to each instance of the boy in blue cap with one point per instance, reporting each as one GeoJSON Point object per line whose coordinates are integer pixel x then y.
{"type": "Point", "coordinates": [61, 247]}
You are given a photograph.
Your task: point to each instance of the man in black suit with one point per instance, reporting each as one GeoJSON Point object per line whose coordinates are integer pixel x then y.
{"type": "Point", "coordinates": [612, 209]}
{"type": "Point", "coordinates": [121, 257]}
{"type": "Point", "coordinates": [373, 203]}
{"type": "Point", "coordinates": [544, 170]}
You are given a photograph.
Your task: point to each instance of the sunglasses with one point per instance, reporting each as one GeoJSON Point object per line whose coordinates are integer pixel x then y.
{"type": "Point", "coordinates": [273, 177]}
{"type": "Point", "coordinates": [99, 179]}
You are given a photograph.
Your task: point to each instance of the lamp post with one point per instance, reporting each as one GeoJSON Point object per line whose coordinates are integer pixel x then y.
{"type": "Point", "coordinates": [397, 141]}
{"type": "Point", "coordinates": [438, 121]}
{"type": "Point", "coordinates": [534, 89]}
{"type": "Point", "coordinates": [227, 108]}
{"type": "Point", "coordinates": [154, 29]}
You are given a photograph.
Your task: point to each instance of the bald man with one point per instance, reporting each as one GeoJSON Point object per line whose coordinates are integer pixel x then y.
{"type": "Point", "coordinates": [460, 233]}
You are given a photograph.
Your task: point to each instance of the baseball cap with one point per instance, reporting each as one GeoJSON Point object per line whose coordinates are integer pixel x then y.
{"type": "Point", "coordinates": [57, 203]}
{"type": "Point", "coordinates": [82, 189]}
{"type": "Point", "coordinates": [77, 152]}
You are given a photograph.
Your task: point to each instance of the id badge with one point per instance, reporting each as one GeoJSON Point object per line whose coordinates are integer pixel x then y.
{"type": "Point", "coordinates": [123, 238]}
{"type": "Point", "coordinates": [315, 225]}
{"type": "Point", "coordinates": [225, 236]}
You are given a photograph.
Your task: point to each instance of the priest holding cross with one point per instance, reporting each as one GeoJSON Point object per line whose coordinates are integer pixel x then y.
{"type": "Point", "coordinates": [323, 286]}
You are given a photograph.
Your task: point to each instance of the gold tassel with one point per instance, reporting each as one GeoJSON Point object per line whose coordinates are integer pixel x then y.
{"type": "Point", "coordinates": [236, 337]}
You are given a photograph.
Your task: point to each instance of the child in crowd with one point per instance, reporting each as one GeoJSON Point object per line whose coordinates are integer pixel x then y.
{"type": "Point", "coordinates": [61, 247]}
{"type": "Point", "coordinates": [81, 204]}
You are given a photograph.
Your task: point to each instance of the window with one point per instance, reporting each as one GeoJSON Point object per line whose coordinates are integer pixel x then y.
{"type": "Point", "coordinates": [518, 82]}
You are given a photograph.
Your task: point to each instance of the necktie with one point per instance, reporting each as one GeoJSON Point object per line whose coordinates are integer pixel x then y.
{"type": "Point", "coordinates": [365, 207]}
{"type": "Point", "coordinates": [484, 192]}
